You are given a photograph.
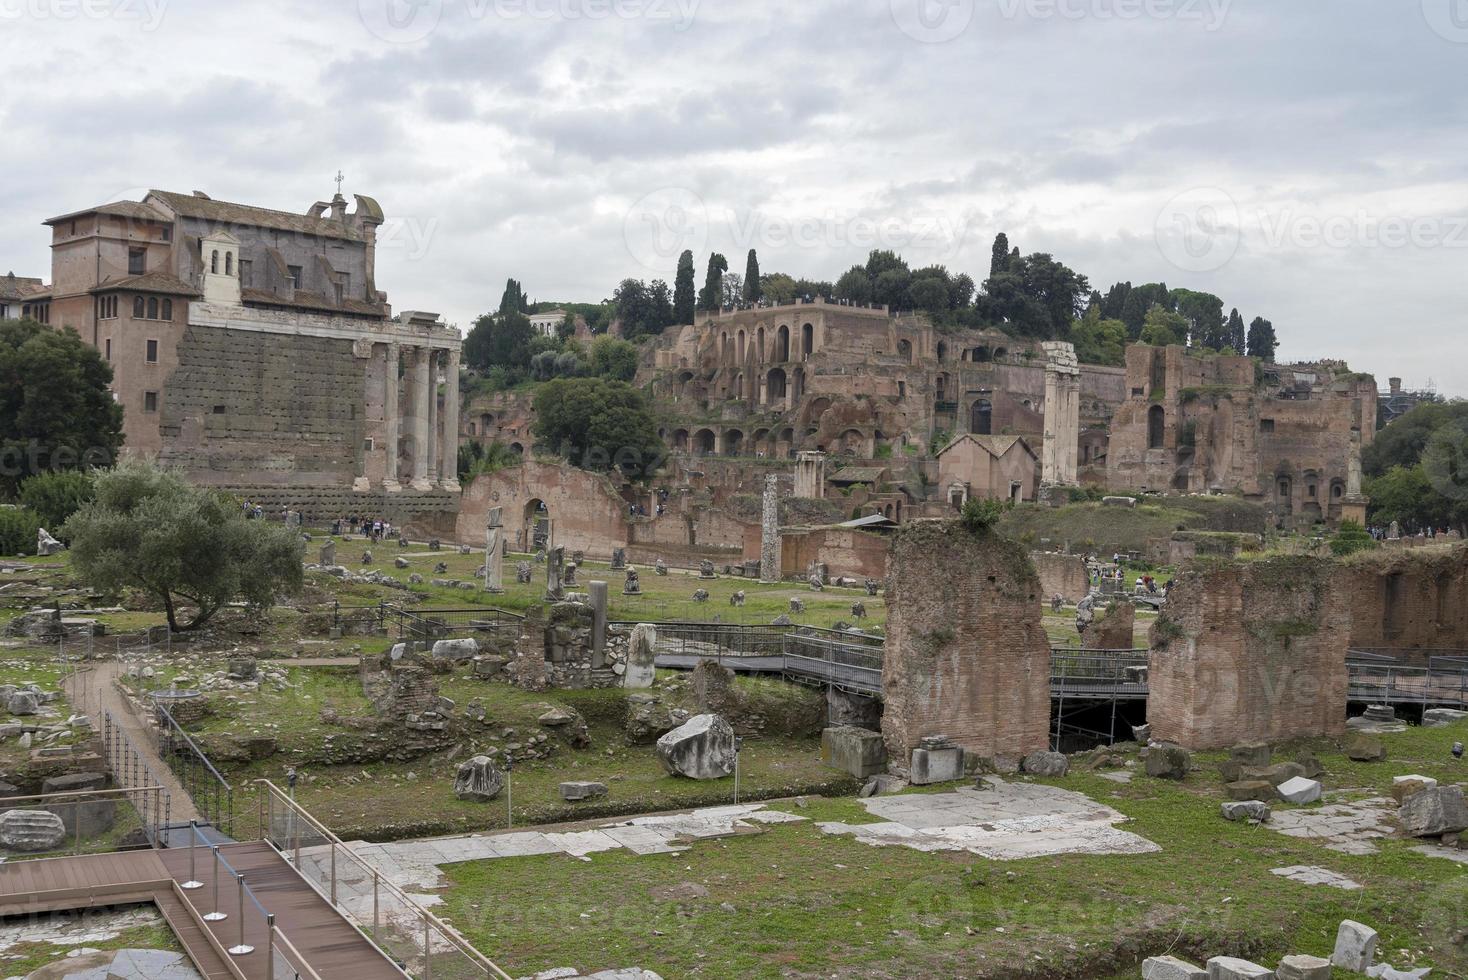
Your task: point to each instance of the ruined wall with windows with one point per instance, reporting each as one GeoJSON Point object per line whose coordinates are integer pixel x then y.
{"type": "Point", "coordinates": [1410, 600]}
{"type": "Point", "coordinates": [1202, 423]}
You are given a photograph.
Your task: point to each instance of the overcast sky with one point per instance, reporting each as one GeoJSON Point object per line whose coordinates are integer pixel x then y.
{"type": "Point", "coordinates": [1303, 159]}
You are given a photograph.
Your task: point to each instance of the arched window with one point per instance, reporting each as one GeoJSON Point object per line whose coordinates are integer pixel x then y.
{"type": "Point", "coordinates": [168, 309]}
{"type": "Point", "coordinates": [1156, 427]}
{"type": "Point", "coordinates": [214, 262]}
{"type": "Point", "coordinates": [138, 307]}
{"type": "Point", "coordinates": [782, 345]}
{"type": "Point", "coordinates": [229, 263]}
{"type": "Point", "coordinates": [808, 339]}
{"type": "Point", "coordinates": [982, 421]}
{"type": "Point", "coordinates": [153, 308]}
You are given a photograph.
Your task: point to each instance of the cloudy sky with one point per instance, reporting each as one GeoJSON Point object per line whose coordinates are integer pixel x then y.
{"type": "Point", "coordinates": [1307, 160]}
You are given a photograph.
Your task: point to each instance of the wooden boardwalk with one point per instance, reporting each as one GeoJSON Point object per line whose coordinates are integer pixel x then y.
{"type": "Point", "coordinates": [312, 930]}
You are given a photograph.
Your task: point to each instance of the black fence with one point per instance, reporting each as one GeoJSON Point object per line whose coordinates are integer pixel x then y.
{"type": "Point", "coordinates": [428, 625]}
{"type": "Point", "coordinates": [212, 794]}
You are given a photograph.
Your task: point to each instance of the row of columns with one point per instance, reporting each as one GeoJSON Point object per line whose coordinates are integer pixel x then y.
{"type": "Point", "coordinates": [433, 435]}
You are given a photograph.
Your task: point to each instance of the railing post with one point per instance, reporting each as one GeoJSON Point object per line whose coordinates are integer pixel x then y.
{"type": "Point", "coordinates": [375, 919]}
{"type": "Point", "coordinates": [427, 950]}
{"type": "Point", "coordinates": [218, 915]}
{"type": "Point", "coordinates": [333, 872]}
{"type": "Point", "coordinates": [193, 881]}
{"type": "Point", "coordinates": [243, 949]}
{"type": "Point", "coordinates": [269, 946]}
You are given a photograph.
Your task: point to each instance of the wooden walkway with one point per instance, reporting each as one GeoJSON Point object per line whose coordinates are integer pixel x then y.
{"type": "Point", "coordinates": [330, 946]}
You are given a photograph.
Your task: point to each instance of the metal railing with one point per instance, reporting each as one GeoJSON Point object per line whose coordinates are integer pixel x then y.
{"type": "Point", "coordinates": [420, 943]}
{"type": "Point", "coordinates": [359, 620]}
{"type": "Point", "coordinates": [212, 794]}
{"type": "Point", "coordinates": [214, 884]}
{"type": "Point", "coordinates": [88, 816]}
{"type": "Point", "coordinates": [1395, 685]}
{"type": "Point", "coordinates": [133, 775]}
{"type": "Point", "coordinates": [440, 624]}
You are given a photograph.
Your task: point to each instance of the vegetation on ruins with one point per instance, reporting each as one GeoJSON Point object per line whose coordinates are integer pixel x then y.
{"type": "Point", "coordinates": [598, 424]}
{"type": "Point", "coordinates": [643, 309]}
{"type": "Point", "coordinates": [981, 513]}
{"type": "Point", "coordinates": [478, 459]}
{"type": "Point", "coordinates": [185, 546]}
{"type": "Point", "coordinates": [18, 527]}
{"type": "Point", "coordinates": [711, 297]}
{"type": "Point", "coordinates": [753, 287]}
{"type": "Point", "coordinates": [56, 412]}
{"type": "Point", "coordinates": [1163, 327]}
{"type": "Point", "coordinates": [1351, 538]}
{"type": "Point", "coordinates": [504, 340]}
{"type": "Point", "coordinates": [1099, 341]}
{"type": "Point", "coordinates": [1262, 341]}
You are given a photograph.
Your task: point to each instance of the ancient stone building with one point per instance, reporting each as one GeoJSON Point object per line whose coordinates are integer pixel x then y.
{"type": "Point", "coordinates": [1252, 651]}
{"type": "Point", "coordinates": [1287, 436]}
{"type": "Point", "coordinates": [992, 467]}
{"type": "Point", "coordinates": [253, 348]}
{"type": "Point", "coordinates": [24, 297]}
{"type": "Point", "coordinates": [966, 654]}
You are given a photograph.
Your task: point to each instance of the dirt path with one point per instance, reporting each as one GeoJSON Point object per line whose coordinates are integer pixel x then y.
{"type": "Point", "coordinates": [95, 692]}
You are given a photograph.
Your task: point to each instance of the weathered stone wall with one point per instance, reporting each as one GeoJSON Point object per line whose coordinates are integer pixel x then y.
{"type": "Point", "coordinates": [1114, 631]}
{"type": "Point", "coordinates": [1414, 599]}
{"type": "Point", "coordinates": [846, 552]}
{"type": "Point", "coordinates": [1251, 652]}
{"type": "Point", "coordinates": [1061, 574]}
{"type": "Point", "coordinates": [263, 408]}
{"type": "Point", "coordinates": [967, 656]}
{"type": "Point", "coordinates": [585, 512]}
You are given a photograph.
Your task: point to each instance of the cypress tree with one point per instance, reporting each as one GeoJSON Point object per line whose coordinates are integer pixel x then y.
{"type": "Point", "coordinates": [684, 300]}
{"type": "Point", "coordinates": [752, 289]}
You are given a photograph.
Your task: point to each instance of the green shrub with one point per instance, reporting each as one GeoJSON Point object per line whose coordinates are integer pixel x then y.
{"type": "Point", "coordinates": [54, 497]}
{"type": "Point", "coordinates": [981, 514]}
{"type": "Point", "coordinates": [1351, 538]}
{"type": "Point", "coordinates": [18, 527]}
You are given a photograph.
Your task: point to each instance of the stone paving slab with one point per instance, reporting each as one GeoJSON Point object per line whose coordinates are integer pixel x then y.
{"type": "Point", "coordinates": [1351, 828]}
{"type": "Point", "coordinates": [1307, 875]}
{"type": "Point", "coordinates": [1004, 822]}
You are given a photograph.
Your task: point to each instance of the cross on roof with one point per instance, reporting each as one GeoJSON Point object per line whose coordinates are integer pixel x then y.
{"type": "Point", "coordinates": [339, 178]}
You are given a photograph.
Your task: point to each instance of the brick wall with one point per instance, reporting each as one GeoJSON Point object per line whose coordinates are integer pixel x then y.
{"type": "Point", "coordinates": [1410, 599]}
{"type": "Point", "coordinates": [1061, 574]}
{"type": "Point", "coordinates": [966, 654]}
{"type": "Point", "coordinates": [1251, 652]}
{"type": "Point", "coordinates": [845, 552]}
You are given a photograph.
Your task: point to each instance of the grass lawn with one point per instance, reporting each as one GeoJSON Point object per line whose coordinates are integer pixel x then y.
{"type": "Point", "coordinates": [793, 902]}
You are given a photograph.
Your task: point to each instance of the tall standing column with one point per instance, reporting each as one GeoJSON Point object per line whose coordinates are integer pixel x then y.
{"type": "Point", "coordinates": [433, 415]}
{"type": "Point", "coordinates": [769, 552]}
{"type": "Point", "coordinates": [391, 420]}
{"type": "Point", "coordinates": [494, 552]}
{"type": "Point", "coordinates": [450, 455]}
{"type": "Point", "coordinates": [422, 394]}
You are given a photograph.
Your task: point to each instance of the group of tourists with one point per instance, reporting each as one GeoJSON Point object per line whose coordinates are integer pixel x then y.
{"type": "Point", "coordinates": [374, 529]}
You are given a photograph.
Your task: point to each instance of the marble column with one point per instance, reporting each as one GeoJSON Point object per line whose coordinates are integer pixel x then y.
{"type": "Point", "coordinates": [769, 553]}
{"type": "Point", "coordinates": [434, 418]}
{"type": "Point", "coordinates": [391, 421]}
{"type": "Point", "coordinates": [422, 396]}
{"type": "Point", "coordinates": [450, 454]}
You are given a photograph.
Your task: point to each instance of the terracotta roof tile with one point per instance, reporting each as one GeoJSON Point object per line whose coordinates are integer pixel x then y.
{"type": "Point", "coordinates": [226, 213]}
{"type": "Point", "coordinates": [152, 282]}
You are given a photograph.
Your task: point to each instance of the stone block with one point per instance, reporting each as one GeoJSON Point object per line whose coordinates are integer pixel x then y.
{"type": "Point", "coordinates": [1355, 947]}
{"type": "Point", "coordinates": [1231, 968]}
{"type": "Point", "coordinates": [1434, 812]}
{"type": "Point", "coordinates": [1365, 748]}
{"type": "Point", "coordinates": [31, 831]}
{"type": "Point", "coordinates": [1441, 717]}
{"type": "Point", "coordinates": [1171, 968]}
{"type": "Point", "coordinates": [478, 780]}
{"type": "Point", "coordinates": [456, 650]}
{"type": "Point", "coordinates": [857, 751]}
{"type": "Point", "coordinates": [1276, 774]}
{"type": "Point", "coordinates": [1243, 810]}
{"type": "Point", "coordinates": [1251, 754]}
{"type": "Point", "coordinates": [702, 748]}
{"type": "Point", "coordinates": [936, 766]}
{"type": "Point", "coordinates": [1167, 761]}
{"type": "Point", "coordinates": [1405, 786]}
{"type": "Point", "coordinates": [575, 792]}
{"type": "Point", "coordinates": [1299, 790]}
{"type": "Point", "coordinates": [1303, 968]}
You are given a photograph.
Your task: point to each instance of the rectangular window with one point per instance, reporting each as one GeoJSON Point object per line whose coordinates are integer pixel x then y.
{"type": "Point", "coordinates": [166, 233]}
{"type": "Point", "coordinates": [1266, 425]}
{"type": "Point", "coordinates": [150, 401]}
{"type": "Point", "coordinates": [137, 261]}
{"type": "Point", "coordinates": [295, 272]}
{"type": "Point", "coordinates": [152, 352]}
{"type": "Point", "coordinates": [109, 348]}
{"type": "Point", "coordinates": [218, 409]}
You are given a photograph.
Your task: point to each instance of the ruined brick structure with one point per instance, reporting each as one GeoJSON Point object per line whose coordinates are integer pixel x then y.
{"type": "Point", "coordinates": [1289, 438]}
{"type": "Point", "coordinates": [966, 654]}
{"type": "Point", "coordinates": [1410, 599]}
{"type": "Point", "coordinates": [253, 349]}
{"type": "Point", "coordinates": [1252, 651]}
{"type": "Point", "coordinates": [1062, 575]}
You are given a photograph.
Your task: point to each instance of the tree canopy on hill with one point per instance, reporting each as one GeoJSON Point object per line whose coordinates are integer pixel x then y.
{"type": "Point", "coordinates": [1417, 469]}
{"type": "Point", "coordinates": [598, 425]}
